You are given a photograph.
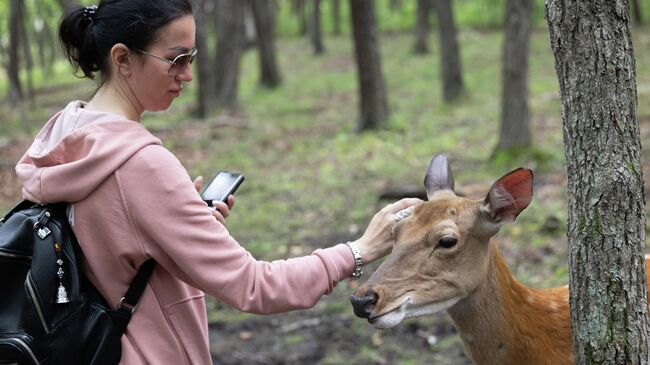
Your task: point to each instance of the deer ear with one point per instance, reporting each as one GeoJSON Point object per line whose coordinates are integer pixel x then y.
{"type": "Point", "coordinates": [439, 176]}
{"type": "Point", "coordinates": [509, 195]}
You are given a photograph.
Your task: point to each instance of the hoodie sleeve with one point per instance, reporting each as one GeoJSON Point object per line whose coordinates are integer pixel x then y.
{"type": "Point", "coordinates": [176, 228]}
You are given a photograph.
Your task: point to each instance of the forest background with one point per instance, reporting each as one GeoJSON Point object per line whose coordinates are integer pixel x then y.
{"type": "Point", "coordinates": [313, 180]}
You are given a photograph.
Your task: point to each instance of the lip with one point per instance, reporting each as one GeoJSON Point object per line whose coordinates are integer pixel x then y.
{"type": "Point", "coordinates": [409, 309]}
{"type": "Point", "coordinates": [400, 307]}
{"type": "Point", "coordinates": [175, 91]}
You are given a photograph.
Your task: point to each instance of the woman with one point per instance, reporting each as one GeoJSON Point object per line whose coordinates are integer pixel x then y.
{"type": "Point", "coordinates": [132, 199]}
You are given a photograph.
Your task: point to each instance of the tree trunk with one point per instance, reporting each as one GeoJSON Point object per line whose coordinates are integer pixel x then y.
{"type": "Point", "coordinates": [230, 14]}
{"type": "Point", "coordinates": [452, 79]}
{"type": "Point", "coordinates": [15, 94]}
{"type": "Point", "coordinates": [336, 17]}
{"type": "Point", "coordinates": [27, 51]}
{"type": "Point", "coordinates": [636, 12]}
{"type": "Point", "coordinates": [515, 118]}
{"type": "Point", "coordinates": [204, 91]}
{"type": "Point", "coordinates": [50, 44]}
{"type": "Point", "coordinates": [265, 26]}
{"type": "Point", "coordinates": [374, 107]}
{"type": "Point", "coordinates": [422, 27]}
{"type": "Point", "coordinates": [250, 33]}
{"type": "Point", "coordinates": [594, 61]}
{"type": "Point", "coordinates": [300, 11]}
{"type": "Point", "coordinates": [315, 31]}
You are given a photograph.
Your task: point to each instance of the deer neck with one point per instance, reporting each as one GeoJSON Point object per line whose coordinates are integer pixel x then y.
{"type": "Point", "coordinates": [505, 322]}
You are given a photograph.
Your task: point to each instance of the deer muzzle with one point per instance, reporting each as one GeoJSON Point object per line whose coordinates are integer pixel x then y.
{"type": "Point", "coordinates": [364, 305]}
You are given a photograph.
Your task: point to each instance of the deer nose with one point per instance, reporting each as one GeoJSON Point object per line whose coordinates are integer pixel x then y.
{"type": "Point", "coordinates": [364, 305]}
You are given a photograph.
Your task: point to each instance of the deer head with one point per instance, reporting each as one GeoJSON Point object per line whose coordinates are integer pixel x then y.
{"type": "Point", "coordinates": [440, 254]}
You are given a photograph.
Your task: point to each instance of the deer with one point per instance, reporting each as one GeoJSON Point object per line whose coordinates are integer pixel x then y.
{"type": "Point", "coordinates": [444, 258]}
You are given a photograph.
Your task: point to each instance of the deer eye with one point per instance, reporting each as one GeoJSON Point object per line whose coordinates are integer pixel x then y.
{"type": "Point", "coordinates": [448, 242]}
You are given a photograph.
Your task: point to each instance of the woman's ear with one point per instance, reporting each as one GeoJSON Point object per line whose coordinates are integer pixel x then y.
{"type": "Point", "coordinates": [122, 59]}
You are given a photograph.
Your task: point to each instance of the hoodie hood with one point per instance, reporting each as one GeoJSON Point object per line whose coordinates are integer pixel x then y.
{"type": "Point", "coordinates": [76, 151]}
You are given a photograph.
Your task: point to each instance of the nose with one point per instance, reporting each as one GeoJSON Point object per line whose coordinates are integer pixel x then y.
{"type": "Point", "coordinates": [364, 305]}
{"type": "Point", "coordinates": [186, 74]}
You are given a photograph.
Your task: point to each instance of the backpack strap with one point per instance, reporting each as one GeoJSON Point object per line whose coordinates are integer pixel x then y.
{"type": "Point", "coordinates": [130, 299]}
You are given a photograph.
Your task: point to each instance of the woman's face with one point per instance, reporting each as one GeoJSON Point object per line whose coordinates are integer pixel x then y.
{"type": "Point", "coordinates": [154, 83]}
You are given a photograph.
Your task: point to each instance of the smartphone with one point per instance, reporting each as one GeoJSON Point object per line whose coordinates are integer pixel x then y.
{"type": "Point", "coordinates": [221, 186]}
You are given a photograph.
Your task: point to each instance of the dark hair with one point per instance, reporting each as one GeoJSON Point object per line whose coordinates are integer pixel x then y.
{"type": "Point", "coordinates": [88, 34]}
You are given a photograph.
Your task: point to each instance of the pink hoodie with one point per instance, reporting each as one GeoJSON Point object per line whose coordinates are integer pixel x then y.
{"type": "Point", "coordinates": [132, 200]}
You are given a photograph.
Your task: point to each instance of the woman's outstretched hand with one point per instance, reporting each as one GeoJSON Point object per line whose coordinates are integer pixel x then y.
{"type": "Point", "coordinates": [220, 210]}
{"type": "Point", "coordinates": [377, 241]}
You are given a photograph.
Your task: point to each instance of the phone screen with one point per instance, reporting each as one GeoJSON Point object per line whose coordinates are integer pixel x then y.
{"type": "Point", "coordinates": [224, 184]}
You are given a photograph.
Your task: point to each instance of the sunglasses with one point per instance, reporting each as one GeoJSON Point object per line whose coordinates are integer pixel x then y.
{"type": "Point", "coordinates": [178, 63]}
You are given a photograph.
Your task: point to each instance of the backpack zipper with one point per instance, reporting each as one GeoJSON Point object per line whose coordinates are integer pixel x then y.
{"type": "Point", "coordinates": [24, 346]}
{"type": "Point", "coordinates": [37, 305]}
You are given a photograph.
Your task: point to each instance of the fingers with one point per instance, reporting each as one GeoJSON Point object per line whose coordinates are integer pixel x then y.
{"type": "Point", "coordinates": [220, 210]}
{"type": "Point", "coordinates": [402, 204]}
{"type": "Point", "coordinates": [221, 207]}
{"type": "Point", "coordinates": [198, 183]}
{"type": "Point", "coordinates": [217, 214]}
{"type": "Point", "coordinates": [231, 201]}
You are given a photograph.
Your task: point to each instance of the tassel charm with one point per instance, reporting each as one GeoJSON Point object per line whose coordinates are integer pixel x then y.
{"type": "Point", "coordinates": [62, 293]}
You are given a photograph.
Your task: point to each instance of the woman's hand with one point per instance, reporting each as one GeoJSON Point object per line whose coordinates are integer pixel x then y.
{"type": "Point", "coordinates": [377, 241]}
{"type": "Point", "coordinates": [220, 210]}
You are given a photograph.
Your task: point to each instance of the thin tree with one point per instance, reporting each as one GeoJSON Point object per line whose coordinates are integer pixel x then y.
{"type": "Point", "coordinates": [450, 67]}
{"type": "Point", "coordinates": [315, 29]}
{"type": "Point", "coordinates": [230, 36]}
{"type": "Point", "coordinates": [27, 50]}
{"type": "Point", "coordinates": [422, 27]}
{"type": "Point", "coordinates": [205, 89]}
{"type": "Point", "coordinates": [300, 10]}
{"type": "Point", "coordinates": [515, 116]}
{"type": "Point", "coordinates": [336, 17]}
{"type": "Point", "coordinates": [265, 30]}
{"type": "Point", "coordinates": [15, 94]}
{"type": "Point", "coordinates": [636, 12]}
{"type": "Point", "coordinates": [594, 61]}
{"type": "Point", "coordinates": [374, 105]}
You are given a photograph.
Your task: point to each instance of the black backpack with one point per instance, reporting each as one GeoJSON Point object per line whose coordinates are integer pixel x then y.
{"type": "Point", "coordinates": [49, 312]}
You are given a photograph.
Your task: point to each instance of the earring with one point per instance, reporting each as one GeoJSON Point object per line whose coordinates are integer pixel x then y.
{"type": "Point", "coordinates": [126, 73]}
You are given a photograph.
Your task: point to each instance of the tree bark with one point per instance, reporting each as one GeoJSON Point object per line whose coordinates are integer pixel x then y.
{"type": "Point", "coordinates": [515, 118]}
{"type": "Point", "coordinates": [265, 26]}
{"type": "Point", "coordinates": [374, 105]}
{"type": "Point", "coordinates": [315, 29]}
{"type": "Point", "coordinates": [594, 61]}
{"type": "Point", "coordinates": [230, 20]}
{"type": "Point", "coordinates": [452, 79]}
{"type": "Point", "coordinates": [422, 27]}
{"type": "Point", "coordinates": [15, 94]}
